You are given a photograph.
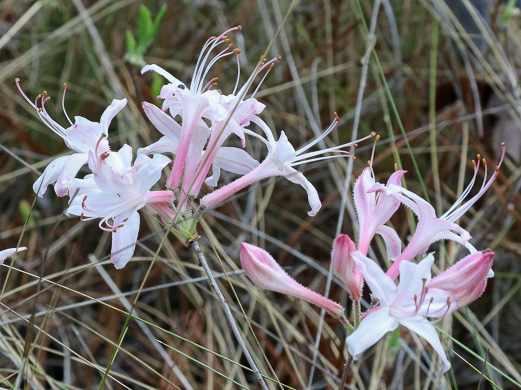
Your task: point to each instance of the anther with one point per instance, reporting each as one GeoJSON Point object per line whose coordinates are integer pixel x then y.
{"type": "Point", "coordinates": [497, 169]}
{"type": "Point", "coordinates": [355, 145]}
{"type": "Point", "coordinates": [44, 93]}
{"type": "Point", "coordinates": [479, 157]}
{"type": "Point", "coordinates": [474, 163]}
{"type": "Point", "coordinates": [125, 220]}
{"type": "Point", "coordinates": [377, 138]}
{"type": "Point", "coordinates": [46, 99]}
{"type": "Point", "coordinates": [502, 144]}
{"type": "Point", "coordinates": [395, 166]}
{"type": "Point", "coordinates": [17, 80]}
{"type": "Point", "coordinates": [237, 51]}
{"type": "Point", "coordinates": [335, 114]}
{"type": "Point", "coordinates": [239, 27]}
{"type": "Point", "coordinates": [373, 133]}
{"type": "Point", "coordinates": [64, 85]}
{"type": "Point", "coordinates": [279, 57]}
{"type": "Point", "coordinates": [369, 162]}
{"type": "Point", "coordinates": [119, 226]}
{"type": "Point", "coordinates": [230, 45]}
{"type": "Point", "coordinates": [484, 162]}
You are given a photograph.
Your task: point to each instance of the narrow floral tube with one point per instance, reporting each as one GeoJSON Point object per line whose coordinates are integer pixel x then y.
{"type": "Point", "coordinates": [266, 273]}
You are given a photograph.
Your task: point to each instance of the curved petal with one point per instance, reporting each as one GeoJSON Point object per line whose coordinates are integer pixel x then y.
{"type": "Point", "coordinates": [69, 172]}
{"type": "Point", "coordinates": [372, 328]}
{"type": "Point", "coordinates": [162, 72]}
{"type": "Point", "coordinates": [150, 173]}
{"type": "Point", "coordinates": [235, 160]}
{"type": "Point", "coordinates": [85, 136]}
{"type": "Point", "coordinates": [392, 241]}
{"type": "Point", "coordinates": [297, 177]}
{"type": "Point", "coordinates": [424, 329]}
{"type": "Point", "coordinates": [124, 240]}
{"type": "Point", "coordinates": [110, 112]}
{"type": "Point", "coordinates": [381, 285]}
{"type": "Point", "coordinates": [364, 201]}
{"type": "Point", "coordinates": [9, 252]}
{"type": "Point", "coordinates": [49, 175]}
{"type": "Point", "coordinates": [163, 122]}
{"type": "Point", "coordinates": [163, 145]}
{"type": "Point", "coordinates": [211, 181]}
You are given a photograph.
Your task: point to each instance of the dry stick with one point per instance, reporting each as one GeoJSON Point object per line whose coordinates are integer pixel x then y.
{"type": "Point", "coordinates": [347, 366]}
{"type": "Point", "coordinates": [194, 244]}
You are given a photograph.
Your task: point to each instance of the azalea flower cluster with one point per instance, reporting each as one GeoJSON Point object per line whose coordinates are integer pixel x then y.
{"type": "Point", "coordinates": [195, 121]}
{"type": "Point", "coordinates": [419, 299]}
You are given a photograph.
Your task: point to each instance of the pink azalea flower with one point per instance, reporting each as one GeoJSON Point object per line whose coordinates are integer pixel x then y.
{"type": "Point", "coordinates": [280, 161]}
{"type": "Point", "coordinates": [431, 228]}
{"type": "Point", "coordinates": [82, 136]}
{"type": "Point", "coordinates": [115, 192]}
{"type": "Point", "coordinates": [408, 304]}
{"type": "Point", "coordinates": [9, 252]}
{"type": "Point", "coordinates": [374, 210]}
{"type": "Point", "coordinates": [343, 266]}
{"type": "Point", "coordinates": [265, 272]}
{"type": "Point", "coordinates": [230, 159]}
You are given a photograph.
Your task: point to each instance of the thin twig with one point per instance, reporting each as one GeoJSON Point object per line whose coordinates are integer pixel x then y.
{"type": "Point", "coordinates": [347, 367]}
{"type": "Point", "coordinates": [194, 244]}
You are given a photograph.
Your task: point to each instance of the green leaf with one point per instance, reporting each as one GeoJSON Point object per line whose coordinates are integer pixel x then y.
{"type": "Point", "coordinates": [145, 29]}
{"type": "Point", "coordinates": [131, 43]}
{"type": "Point", "coordinates": [158, 19]}
{"type": "Point", "coordinates": [25, 209]}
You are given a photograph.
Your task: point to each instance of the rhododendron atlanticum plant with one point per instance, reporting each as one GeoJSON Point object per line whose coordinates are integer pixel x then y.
{"type": "Point", "coordinates": [204, 131]}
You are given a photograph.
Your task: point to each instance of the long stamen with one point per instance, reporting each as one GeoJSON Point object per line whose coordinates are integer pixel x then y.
{"type": "Point", "coordinates": [222, 54]}
{"type": "Point", "coordinates": [262, 80]}
{"type": "Point", "coordinates": [322, 136]}
{"type": "Point", "coordinates": [467, 190]}
{"type": "Point", "coordinates": [456, 214]}
{"type": "Point", "coordinates": [17, 81]}
{"type": "Point", "coordinates": [238, 52]}
{"type": "Point", "coordinates": [210, 84]}
{"type": "Point", "coordinates": [344, 155]}
{"type": "Point", "coordinates": [63, 103]}
{"type": "Point", "coordinates": [372, 153]}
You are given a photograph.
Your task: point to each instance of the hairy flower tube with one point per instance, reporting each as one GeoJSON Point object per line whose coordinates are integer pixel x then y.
{"type": "Point", "coordinates": [344, 267]}
{"type": "Point", "coordinates": [115, 192]}
{"type": "Point", "coordinates": [82, 136]}
{"type": "Point", "coordinates": [467, 279]}
{"type": "Point", "coordinates": [266, 273]}
{"type": "Point", "coordinates": [410, 304]}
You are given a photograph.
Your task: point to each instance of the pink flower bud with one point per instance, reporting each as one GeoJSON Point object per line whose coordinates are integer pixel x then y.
{"type": "Point", "coordinates": [343, 266]}
{"type": "Point", "coordinates": [467, 279]}
{"type": "Point", "coordinates": [265, 272]}
{"type": "Point", "coordinates": [465, 297]}
{"type": "Point", "coordinates": [466, 273]}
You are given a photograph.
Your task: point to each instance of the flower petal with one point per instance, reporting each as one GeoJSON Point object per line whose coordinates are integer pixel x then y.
{"type": "Point", "coordinates": [162, 72]}
{"type": "Point", "coordinates": [235, 160]}
{"type": "Point", "coordinates": [110, 112]}
{"type": "Point", "coordinates": [163, 145]}
{"type": "Point", "coordinates": [372, 328]}
{"type": "Point", "coordinates": [124, 240]}
{"type": "Point", "coordinates": [382, 286]}
{"type": "Point", "coordinates": [9, 252]}
{"type": "Point", "coordinates": [425, 329]}
{"type": "Point", "coordinates": [69, 172]}
{"type": "Point", "coordinates": [297, 177]}
{"type": "Point", "coordinates": [50, 175]}
{"type": "Point", "coordinates": [392, 241]}
{"type": "Point", "coordinates": [163, 122]}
